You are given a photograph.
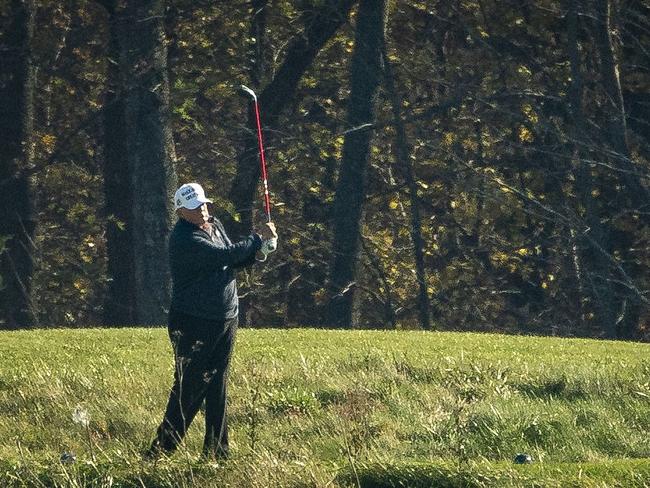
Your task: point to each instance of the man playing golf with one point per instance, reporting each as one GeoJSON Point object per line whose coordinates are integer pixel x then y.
{"type": "Point", "coordinates": [203, 319]}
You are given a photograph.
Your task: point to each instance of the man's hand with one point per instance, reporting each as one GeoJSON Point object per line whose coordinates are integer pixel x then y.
{"type": "Point", "coordinates": [269, 240]}
{"type": "Point", "coordinates": [268, 231]}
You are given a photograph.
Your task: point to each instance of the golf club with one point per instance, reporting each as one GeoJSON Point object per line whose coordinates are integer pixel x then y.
{"type": "Point", "coordinates": [270, 245]}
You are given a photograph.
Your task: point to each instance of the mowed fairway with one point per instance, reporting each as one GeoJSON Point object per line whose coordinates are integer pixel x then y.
{"type": "Point", "coordinates": [332, 408]}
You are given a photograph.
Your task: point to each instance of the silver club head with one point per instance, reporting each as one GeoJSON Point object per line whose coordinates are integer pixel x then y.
{"type": "Point", "coordinates": [249, 91]}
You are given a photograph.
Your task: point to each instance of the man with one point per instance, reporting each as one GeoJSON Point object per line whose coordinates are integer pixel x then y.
{"type": "Point", "coordinates": [203, 319]}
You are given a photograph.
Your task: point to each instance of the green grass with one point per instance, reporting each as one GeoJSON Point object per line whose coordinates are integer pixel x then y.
{"type": "Point", "coordinates": [335, 408]}
{"type": "Point", "coordinates": [621, 473]}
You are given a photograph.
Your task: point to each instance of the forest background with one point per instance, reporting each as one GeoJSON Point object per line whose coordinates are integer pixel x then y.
{"type": "Point", "coordinates": [476, 165]}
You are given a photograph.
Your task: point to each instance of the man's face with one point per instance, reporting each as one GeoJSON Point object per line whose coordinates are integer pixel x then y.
{"type": "Point", "coordinates": [199, 216]}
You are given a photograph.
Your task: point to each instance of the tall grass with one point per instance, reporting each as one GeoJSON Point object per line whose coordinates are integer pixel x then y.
{"type": "Point", "coordinates": [310, 407]}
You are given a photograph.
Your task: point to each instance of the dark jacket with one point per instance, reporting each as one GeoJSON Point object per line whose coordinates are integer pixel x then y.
{"type": "Point", "coordinates": [202, 267]}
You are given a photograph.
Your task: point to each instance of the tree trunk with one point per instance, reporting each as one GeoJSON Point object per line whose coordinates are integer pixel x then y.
{"type": "Point", "coordinates": [617, 125]}
{"type": "Point", "coordinates": [17, 79]}
{"type": "Point", "coordinates": [637, 194]}
{"type": "Point", "coordinates": [634, 21]}
{"type": "Point", "coordinates": [258, 49]}
{"type": "Point", "coordinates": [579, 170]}
{"type": "Point", "coordinates": [596, 269]}
{"type": "Point", "coordinates": [365, 76]}
{"type": "Point", "coordinates": [404, 162]}
{"type": "Point", "coordinates": [139, 169]}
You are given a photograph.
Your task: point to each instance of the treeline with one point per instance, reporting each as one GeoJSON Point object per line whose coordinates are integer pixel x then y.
{"type": "Point", "coordinates": [475, 165]}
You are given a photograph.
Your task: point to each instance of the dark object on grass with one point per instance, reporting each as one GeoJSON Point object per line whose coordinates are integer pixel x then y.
{"type": "Point", "coordinates": [67, 458]}
{"type": "Point", "coordinates": [523, 459]}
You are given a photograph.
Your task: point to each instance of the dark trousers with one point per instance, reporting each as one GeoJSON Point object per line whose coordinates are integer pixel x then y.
{"type": "Point", "coordinates": [202, 350]}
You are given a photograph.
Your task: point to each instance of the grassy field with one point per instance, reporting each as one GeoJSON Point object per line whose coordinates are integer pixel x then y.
{"type": "Point", "coordinates": [332, 408]}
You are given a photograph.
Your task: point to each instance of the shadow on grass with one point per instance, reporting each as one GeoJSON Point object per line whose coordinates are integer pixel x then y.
{"type": "Point", "coordinates": [557, 388]}
{"type": "Point", "coordinates": [615, 473]}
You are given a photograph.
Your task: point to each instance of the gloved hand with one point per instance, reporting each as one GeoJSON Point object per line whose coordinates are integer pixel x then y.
{"type": "Point", "coordinates": [270, 240]}
{"type": "Point", "coordinates": [269, 245]}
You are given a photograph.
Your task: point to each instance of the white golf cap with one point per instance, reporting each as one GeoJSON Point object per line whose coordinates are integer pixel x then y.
{"type": "Point", "coordinates": [190, 196]}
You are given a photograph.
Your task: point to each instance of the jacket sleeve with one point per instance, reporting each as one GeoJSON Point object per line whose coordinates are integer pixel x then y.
{"type": "Point", "coordinates": [206, 253]}
{"type": "Point", "coordinates": [249, 261]}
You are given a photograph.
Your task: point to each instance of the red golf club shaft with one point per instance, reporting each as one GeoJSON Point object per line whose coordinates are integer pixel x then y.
{"type": "Point", "coordinates": [267, 200]}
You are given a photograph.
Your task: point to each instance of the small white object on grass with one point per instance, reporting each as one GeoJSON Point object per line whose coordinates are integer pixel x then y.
{"type": "Point", "coordinates": [80, 416]}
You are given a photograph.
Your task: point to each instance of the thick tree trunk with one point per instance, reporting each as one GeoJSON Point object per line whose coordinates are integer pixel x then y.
{"type": "Point", "coordinates": [617, 125]}
{"type": "Point", "coordinates": [139, 170]}
{"type": "Point", "coordinates": [365, 76]}
{"type": "Point", "coordinates": [580, 172]}
{"type": "Point", "coordinates": [636, 97]}
{"type": "Point", "coordinates": [629, 303]}
{"type": "Point", "coordinates": [258, 49]}
{"type": "Point", "coordinates": [404, 162]}
{"type": "Point", "coordinates": [17, 225]}
{"type": "Point", "coordinates": [592, 247]}
{"type": "Point", "coordinates": [119, 306]}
